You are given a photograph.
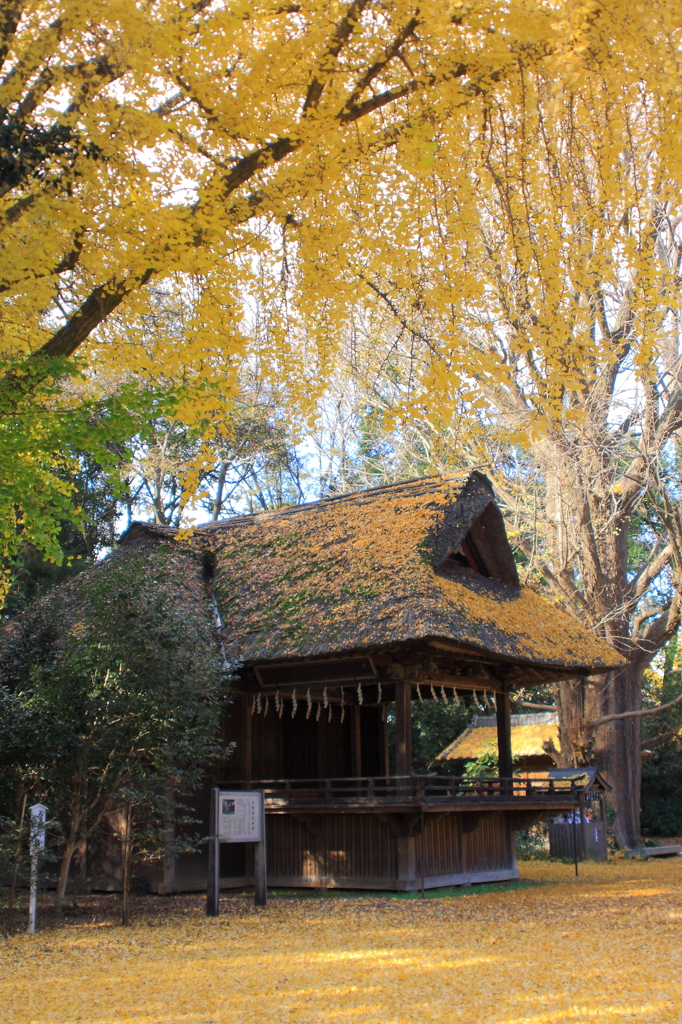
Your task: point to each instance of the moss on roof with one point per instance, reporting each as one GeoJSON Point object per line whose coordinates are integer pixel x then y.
{"type": "Point", "coordinates": [359, 572]}
{"type": "Point", "coordinates": [355, 572]}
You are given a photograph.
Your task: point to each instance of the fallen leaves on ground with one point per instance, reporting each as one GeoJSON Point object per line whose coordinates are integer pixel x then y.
{"type": "Point", "coordinates": [604, 947]}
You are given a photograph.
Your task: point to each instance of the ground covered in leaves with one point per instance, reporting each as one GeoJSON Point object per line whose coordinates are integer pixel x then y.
{"type": "Point", "coordinates": [605, 947]}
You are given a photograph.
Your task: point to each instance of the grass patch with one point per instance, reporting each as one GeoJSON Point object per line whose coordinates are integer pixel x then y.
{"type": "Point", "coordinates": [443, 892]}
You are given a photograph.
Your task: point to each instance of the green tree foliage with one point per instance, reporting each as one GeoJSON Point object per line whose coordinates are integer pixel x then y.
{"type": "Point", "coordinates": [662, 792]}
{"type": "Point", "coordinates": [51, 439]}
{"type": "Point", "coordinates": [434, 726]}
{"type": "Point", "coordinates": [662, 747]}
{"type": "Point", "coordinates": [120, 711]}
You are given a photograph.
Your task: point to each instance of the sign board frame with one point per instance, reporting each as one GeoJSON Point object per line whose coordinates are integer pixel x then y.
{"type": "Point", "coordinates": [246, 808]}
{"type": "Point", "coordinates": [240, 815]}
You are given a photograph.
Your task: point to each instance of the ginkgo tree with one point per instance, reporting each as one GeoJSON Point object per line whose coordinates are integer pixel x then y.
{"type": "Point", "coordinates": [224, 145]}
{"type": "Point", "coordinates": [549, 350]}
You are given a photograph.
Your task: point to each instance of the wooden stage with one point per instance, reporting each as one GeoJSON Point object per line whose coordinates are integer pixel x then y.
{"type": "Point", "coordinates": [387, 832]}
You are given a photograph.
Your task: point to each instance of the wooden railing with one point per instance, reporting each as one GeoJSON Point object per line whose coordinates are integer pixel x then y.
{"type": "Point", "coordinates": [395, 790]}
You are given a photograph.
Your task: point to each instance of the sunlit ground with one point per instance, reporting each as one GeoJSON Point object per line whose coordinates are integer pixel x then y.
{"type": "Point", "coordinates": [606, 947]}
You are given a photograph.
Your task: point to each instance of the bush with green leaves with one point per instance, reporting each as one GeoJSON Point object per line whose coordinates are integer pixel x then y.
{"type": "Point", "coordinates": [114, 694]}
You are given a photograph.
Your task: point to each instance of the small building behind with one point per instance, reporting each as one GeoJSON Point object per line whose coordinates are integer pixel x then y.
{"type": "Point", "coordinates": [532, 737]}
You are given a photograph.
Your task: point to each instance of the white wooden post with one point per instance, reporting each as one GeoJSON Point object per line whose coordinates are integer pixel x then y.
{"type": "Point", "coordinates": [37, 843]}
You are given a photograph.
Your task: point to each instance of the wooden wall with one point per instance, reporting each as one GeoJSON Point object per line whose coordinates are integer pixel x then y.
{"type": "Point", "coordinates": [307, 748]}
{"type": "Point", "coordinates": [373, 851]}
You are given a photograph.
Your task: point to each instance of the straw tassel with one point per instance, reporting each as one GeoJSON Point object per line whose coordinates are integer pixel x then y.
{"type": "Point", "coordinates": [379, 695]}
{"type": "Point", "coordinates": [319, 711]}
{"type": "Point", "coordinates": [442, 694]}
{"type": "Point", "coordinates": [267, 705]}
{"type": "Point", "coordinates": [359, 693]}
{"type": "Point", "coordinates": [258, 704]}
{"type": "Point", "coordinates": [310, 704]}
{"type": "Point", "coordinates": [455, 697]}
{"type": "Point", "coordinates": [325, 698]}
{"type": "Point", "coordinates": [433, 693]}
{"type": "Point", "coordinates": [253, 704]}
{"type": "Point", "coordinates": [419, 692]}
{"type": "Point", "coordinates": [294, 704]}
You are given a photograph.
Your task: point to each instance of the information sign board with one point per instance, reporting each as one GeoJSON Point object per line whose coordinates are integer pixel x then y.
{"type": "Point", "coordinates": [240, 816]}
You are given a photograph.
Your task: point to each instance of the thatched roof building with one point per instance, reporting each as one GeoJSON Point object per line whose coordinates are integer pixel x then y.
{"type": "Point", "coordinates": [531, 736]}
{"type": "Point", "coordinates": [417, 560]}
{"type": "Point", "coordinates": [320, 616]}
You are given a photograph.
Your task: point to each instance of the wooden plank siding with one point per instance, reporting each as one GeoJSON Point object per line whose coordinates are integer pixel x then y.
{"type": "Point", "coordinates": [369, 851]}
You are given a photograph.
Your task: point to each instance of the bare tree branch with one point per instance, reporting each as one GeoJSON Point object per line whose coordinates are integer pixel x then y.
{"type": "Point", "coordinates": [634, 714]}
{"type": "Point", "coordinates": [658, 741]}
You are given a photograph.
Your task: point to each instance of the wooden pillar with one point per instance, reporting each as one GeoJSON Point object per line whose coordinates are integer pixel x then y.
{"type": "Point", "coordinates": [260, 867]}
{"type": "Point", "coordinates": [504, 750]}
{"type": "Point", "coordinates": [213, 874]}
{"type": "Point", "coordinates": [403, 727]}
{"type": "Point", "coordinates": [384, 766]}
{"type": "Point", "coordinates": [355, 741]}
{"type": "Point", "coordinates": [246, 739]}
{"type": "Point", "coordinates": [407, 863]}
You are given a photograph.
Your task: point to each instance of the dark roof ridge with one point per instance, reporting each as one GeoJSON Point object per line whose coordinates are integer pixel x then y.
{"type": "Point", "coordinates": [136, 529]}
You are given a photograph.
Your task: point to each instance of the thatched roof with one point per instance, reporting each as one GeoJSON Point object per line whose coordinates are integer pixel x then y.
{"type": "Point", "coordinates": [382, 567]}
{"type": "Point", "coordinates": [528, 734]}
{"type": "Point", "coordinates": [426, 560]}
{"type": "Point", "coordinates": [111, 603]}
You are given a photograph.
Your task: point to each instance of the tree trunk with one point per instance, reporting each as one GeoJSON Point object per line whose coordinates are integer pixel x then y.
{"type": "Point", "coordinates": [65, 865]}
{"type": "Point", "coordinates": [126, 849]}
{"type": "Point", "coordinates": [17, 854]}
{"type": "Point", "coordinates": [617, 746]}
{"type": "Point", "coordinates": [614, 748]}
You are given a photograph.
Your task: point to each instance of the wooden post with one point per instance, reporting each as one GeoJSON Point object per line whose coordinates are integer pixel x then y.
{"type": "Point", "coordinates": [407, 863]}
{"type": "Point", "coordinates": [213, 879]}
{"type": "Point", "coordinates": [403, 727]}
{"type": "Point", "coordinates": [260, 866]}
{"type": "Point", "coordinates": [355, 741]}
{"type": "Point", "coordinates": [383, 743]}
{"type": "Point", "coordinates": [246, 740]}
{"type": "Point", "coordinates": [504, 750]}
